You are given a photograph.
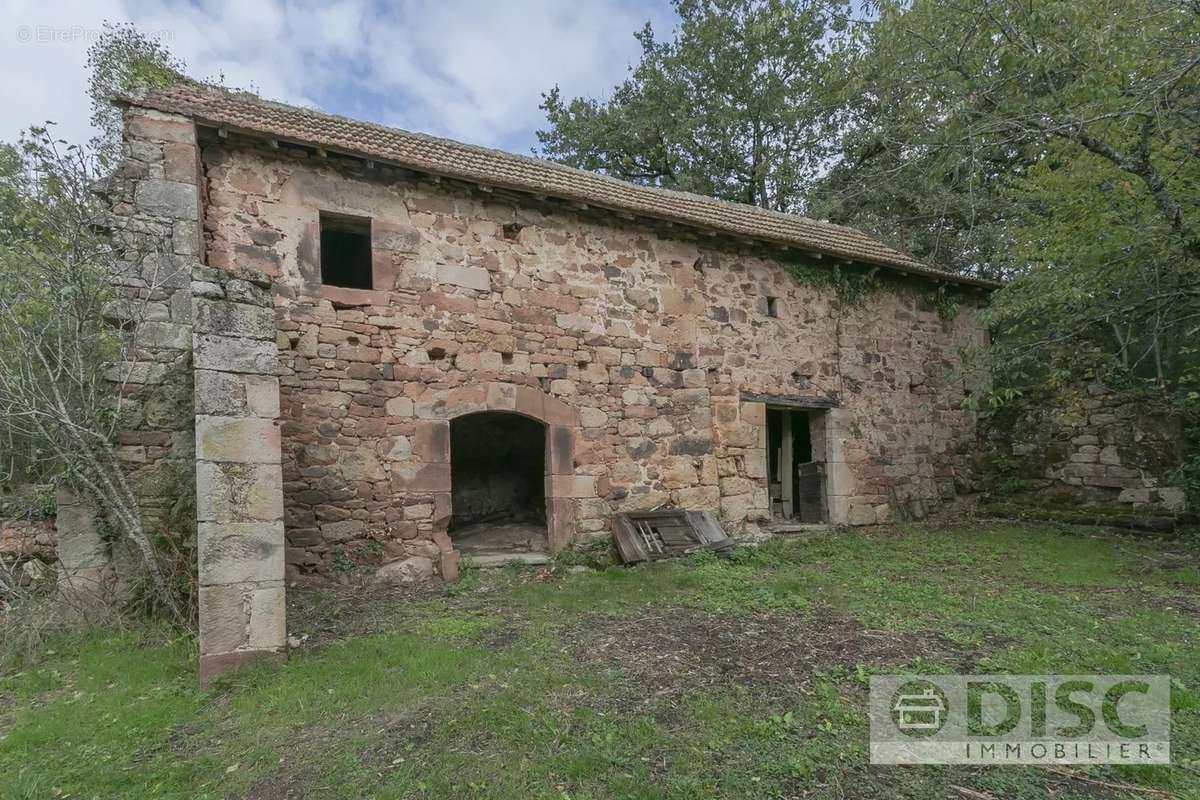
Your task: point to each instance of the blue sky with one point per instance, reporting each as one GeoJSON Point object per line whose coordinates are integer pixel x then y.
{"type": "Point", "coordinates": [471, 70]}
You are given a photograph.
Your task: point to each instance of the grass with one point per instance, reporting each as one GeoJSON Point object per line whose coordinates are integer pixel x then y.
{"type": "Point", "coordinates": [698, 678]}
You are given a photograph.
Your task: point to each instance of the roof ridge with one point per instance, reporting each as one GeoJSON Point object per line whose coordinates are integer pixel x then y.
{"type": "Point", "coordinates": [243, 95]}
{"type": "Point", "coordinates": [244, 110]}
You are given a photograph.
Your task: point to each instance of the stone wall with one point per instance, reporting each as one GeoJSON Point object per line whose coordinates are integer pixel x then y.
{"type": "Point", "coordinates": [637, 346]}
{"type": "Point", "coordinates": [154, 201]}
{"type": "Point", "coordinates": [23, 539]}
{"type": "Point", "coordinates": [1086, 445]}
{"type": "Point", "coordinates": [200, 401]}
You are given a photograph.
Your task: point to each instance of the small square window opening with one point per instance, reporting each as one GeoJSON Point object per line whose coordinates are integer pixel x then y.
{"type": "Point", "coordinates": [346, 251]}
{"type": "Point", "coordinates": [772, 306]}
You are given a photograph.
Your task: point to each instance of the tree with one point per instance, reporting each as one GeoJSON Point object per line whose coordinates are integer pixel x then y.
{"type": "Point", "coordinates": [1053, 143]}
{"type": "Point", "coordinates": [1103, 268]}
{"type": "Point", "coordinates": [951, 97]}
{"type": "Point", "coordinates": [65, 329]}
{"type": "Point", "coordinates": [732, 107]}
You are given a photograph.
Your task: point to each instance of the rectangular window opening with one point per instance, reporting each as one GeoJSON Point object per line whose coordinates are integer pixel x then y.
{"type": "Point", "coordinates": [772, 306]}
{"type": "Point", "coordinates": [346, 251]}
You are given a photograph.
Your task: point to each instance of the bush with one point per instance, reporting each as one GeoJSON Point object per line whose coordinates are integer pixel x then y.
{"type": "Point", "coordinates": [34, 502]}
{"type": "Point", "coordinates": [1187, 477]}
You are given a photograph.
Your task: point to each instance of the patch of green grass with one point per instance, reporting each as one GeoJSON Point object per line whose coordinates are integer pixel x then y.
{"type": "Point", "coordinates": [594, 554]}
{"type": "Point", "coordinates": [106, 701]}
{"type": "Point", "coordinates": [455, 627]}
{"type": "Point", "coordinates": [747, 581]}
{"type": "Point", "coordinates": [499, 687]}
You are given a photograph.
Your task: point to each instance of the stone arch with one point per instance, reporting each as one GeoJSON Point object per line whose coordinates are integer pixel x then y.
{"type": "Point", "coordinates": [561, 422]}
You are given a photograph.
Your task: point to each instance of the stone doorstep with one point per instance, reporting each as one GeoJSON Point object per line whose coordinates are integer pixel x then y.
{"type": "Point", "coordinates": [490, 560]}
{"type": "Point", "coordinates": [796, 528]}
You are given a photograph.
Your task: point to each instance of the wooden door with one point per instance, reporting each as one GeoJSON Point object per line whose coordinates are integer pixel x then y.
{"type": "Point", "coordinates": [810, 494]}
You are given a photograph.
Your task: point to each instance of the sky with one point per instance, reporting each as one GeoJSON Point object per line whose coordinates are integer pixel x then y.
{"type": "Point", "coordinates": [471, 70]}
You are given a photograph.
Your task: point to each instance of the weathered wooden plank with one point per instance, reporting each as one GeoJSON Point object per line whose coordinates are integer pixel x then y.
{"type": "Point", "coordinates": [629, 542]}
{"type": "Point", "coordinates": [785, 462]}
{"type": "Point", "coordinates": [790, 401]}
{"type": "Point", "coordinates": [707, 526]}
{"type": "Point", "coordinates": [810, 504]}
{"type": "Point", "coordinates": [678, 537]}
{"type": "Point", "coordinates": [652, 535]}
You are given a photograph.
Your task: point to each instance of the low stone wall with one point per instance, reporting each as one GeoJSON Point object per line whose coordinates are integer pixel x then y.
{"type": "Point", "coordinates": [70, 546]}
{"type": "Point", "coordinates": [23, 539]}
{"type": "Point", "coordinates": [1086, 445]}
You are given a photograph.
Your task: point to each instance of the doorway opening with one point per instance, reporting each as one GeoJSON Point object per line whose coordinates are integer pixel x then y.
{"type": "Point", "coordinates": [498, 483]}
{"type": "Point", "coordinates": [796, 465]}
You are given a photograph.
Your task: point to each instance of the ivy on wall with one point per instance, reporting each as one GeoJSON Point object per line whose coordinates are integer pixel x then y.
{"type": "Point", "coordinates": [853, 284]}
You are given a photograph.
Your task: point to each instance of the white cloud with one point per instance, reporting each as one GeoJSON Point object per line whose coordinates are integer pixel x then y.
{"type": "Point", "coordinates": [472, 70]}
{"type": "Point", "coordinates": [43, 54]}
{"type": "Point", "coordinates": [476, 71]}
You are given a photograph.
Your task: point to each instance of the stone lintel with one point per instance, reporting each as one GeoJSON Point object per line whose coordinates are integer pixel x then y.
{"type": "Point", "coordinates": [790, 401]}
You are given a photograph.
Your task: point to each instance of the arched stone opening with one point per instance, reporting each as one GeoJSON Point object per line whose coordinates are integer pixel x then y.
{"type": "Point", "coordinates": [498, 483]}
{"type": "Point", "coordinates": [559, 424]}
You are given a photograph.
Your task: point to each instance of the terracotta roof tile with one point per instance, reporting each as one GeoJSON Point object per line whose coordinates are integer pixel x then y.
{"type": "Point", "coordinates": [238, 111]}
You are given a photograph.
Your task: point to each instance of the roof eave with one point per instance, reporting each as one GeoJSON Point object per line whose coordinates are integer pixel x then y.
{"type": "Point", "coordinates": [912, 268]}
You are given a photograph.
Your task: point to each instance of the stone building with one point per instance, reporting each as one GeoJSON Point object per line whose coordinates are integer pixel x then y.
{"type": "Point", "coordinates": [400, 345]}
